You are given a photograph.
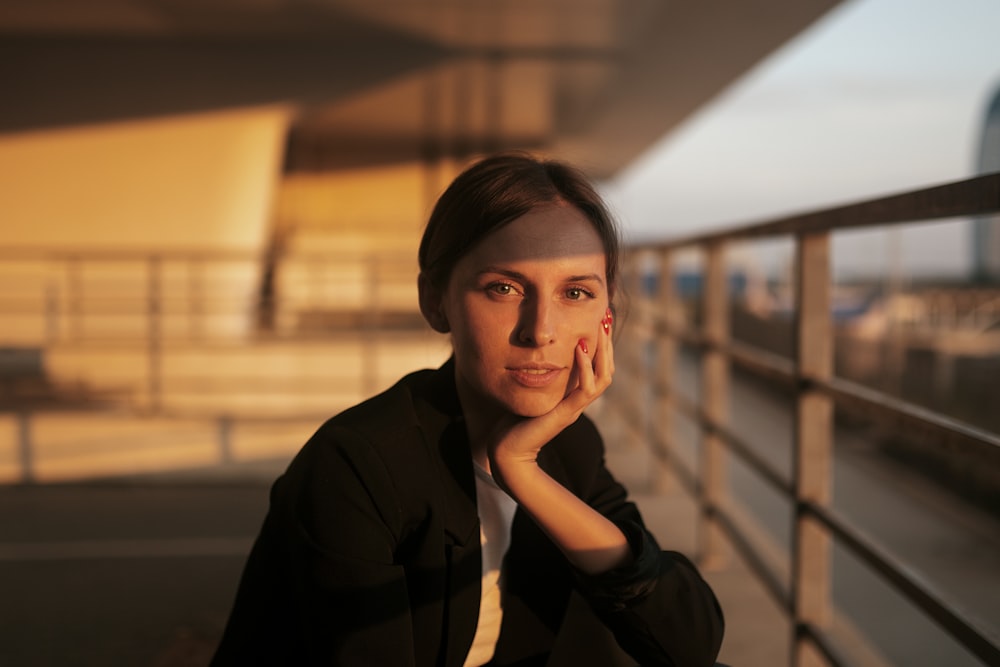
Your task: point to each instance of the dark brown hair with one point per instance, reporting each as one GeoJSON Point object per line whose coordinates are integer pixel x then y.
{"type": "Point", "coordinates": [496, 191]}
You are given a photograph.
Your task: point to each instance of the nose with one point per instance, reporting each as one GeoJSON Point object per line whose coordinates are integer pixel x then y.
{"type": "Point", "coordinates": [535, 325]}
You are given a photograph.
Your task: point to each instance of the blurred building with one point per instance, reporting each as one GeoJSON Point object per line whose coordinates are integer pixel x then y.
{"type": "Point", "coordinates": [190, 189]}
{"type": "Point", "coordinates": [986, 230]}
{"type": "Point", "coordinates": [141, 123]}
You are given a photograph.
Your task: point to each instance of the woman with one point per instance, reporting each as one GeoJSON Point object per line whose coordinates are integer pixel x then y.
{"type": "Point", "coordinates": [447, 520]}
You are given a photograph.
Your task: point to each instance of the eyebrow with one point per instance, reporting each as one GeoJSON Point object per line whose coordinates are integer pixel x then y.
{"type": "Point", "coordinates": [520, 277]}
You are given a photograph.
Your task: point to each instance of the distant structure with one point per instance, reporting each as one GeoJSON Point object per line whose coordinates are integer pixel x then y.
{"type": "Point", "coordinates": [986, 229]}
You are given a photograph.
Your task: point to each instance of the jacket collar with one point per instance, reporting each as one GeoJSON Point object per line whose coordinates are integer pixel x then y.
{"type": "Point", "coordinates": [444, 430]}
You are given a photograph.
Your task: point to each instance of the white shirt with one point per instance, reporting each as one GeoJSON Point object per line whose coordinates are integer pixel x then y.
{"type": "Point", "coordinates": [496, 513]}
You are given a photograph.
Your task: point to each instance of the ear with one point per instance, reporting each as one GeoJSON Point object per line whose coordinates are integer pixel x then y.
{"type": "Point", "coordinates": [431, 305]}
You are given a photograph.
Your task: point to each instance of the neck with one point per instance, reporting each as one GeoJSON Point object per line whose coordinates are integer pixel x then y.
{"type": "Point", "coordinates": [481, 417]}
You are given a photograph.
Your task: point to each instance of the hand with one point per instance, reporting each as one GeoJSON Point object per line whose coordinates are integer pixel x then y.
{"type": "Point", "coordinates": [590, 541]}
{"type": "Point", "coordinates": [517, 440]}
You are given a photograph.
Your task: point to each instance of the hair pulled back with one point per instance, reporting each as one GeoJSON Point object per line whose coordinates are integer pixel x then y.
{"type": "Point", "coordinates": [496, 191]}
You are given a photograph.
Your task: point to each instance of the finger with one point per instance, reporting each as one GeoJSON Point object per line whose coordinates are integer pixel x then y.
{"type": "Point", "coordinates": [584, 370]}
{"type": "Point", "coordinates": [608, 352]}
{"type": "Point", "coordinates": [604, 364]}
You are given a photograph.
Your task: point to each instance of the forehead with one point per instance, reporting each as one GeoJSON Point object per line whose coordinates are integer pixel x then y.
{"type": "Point", "coordinates": [556, 235]}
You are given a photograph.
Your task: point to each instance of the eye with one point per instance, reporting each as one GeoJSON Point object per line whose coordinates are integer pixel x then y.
{"type": "Point", "coordinates": [578, 294]}
{"type": "Point", "coordinates": [501, 289]}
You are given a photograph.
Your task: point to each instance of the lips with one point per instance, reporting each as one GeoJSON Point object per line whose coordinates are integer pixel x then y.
{"type": "Point", "coordinates": [535, 375]}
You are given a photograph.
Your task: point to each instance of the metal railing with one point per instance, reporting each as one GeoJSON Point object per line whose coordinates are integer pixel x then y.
{"type": "Point", "coordinates": [651, 400]}
{"type": "Point", "coordinates": [194, 355]}
{"type": "Point", "coordinates": [155, 301]}
{"type": "Point", "coordinates": [158, 306]}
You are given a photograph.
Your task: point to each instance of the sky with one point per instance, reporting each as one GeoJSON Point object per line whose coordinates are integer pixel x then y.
{"type": "Point", "coordinates": [878, 97]}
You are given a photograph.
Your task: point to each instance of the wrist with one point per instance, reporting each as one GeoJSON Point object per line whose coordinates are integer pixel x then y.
{"type": "Point", "coordinates": [514, 471]}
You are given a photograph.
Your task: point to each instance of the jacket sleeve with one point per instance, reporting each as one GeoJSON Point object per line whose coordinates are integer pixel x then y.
{"type": "Point", "coordinates": [659, 608]}
{"type": "Point", "coordinates": [320, 586]}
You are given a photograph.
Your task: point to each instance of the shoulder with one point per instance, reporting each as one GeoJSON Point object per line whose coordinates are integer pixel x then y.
{"type": "Point", "coordinates": [384, 424]}
{"type": "Point", "coordinates": [578, 450]}
{"type": "Point", "coordinates": [383, 439]}
{"type": "Point", "coordinates": [375, 450]}
{"type": "Point", "coordinates": [386, 414]}
{"type": "Point", "coordinates": [580, 440]}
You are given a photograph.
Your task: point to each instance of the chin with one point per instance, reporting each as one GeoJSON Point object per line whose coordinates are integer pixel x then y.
{"type": "Point", "coordinates": [532, 406]}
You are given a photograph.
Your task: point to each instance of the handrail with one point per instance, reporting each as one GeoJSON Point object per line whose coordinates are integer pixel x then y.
{"type": "Point", "coordinates": [178, 254]}
{"type": "Point", "coordinates": [974, 196]}
{"type": "Point", "coordinates": [808, 376]}
{"type": "Point", "coordinates": [151, 303]}
{"type": "Point", "coordinates": [806, 598]}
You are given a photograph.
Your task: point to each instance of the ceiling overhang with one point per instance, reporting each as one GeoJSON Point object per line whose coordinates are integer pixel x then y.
{"type": "Point", "coordinates": [594, 81]}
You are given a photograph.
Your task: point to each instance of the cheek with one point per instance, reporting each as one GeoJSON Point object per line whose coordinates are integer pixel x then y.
{"type": "Point", "coordinates": [481, 330]}
{"type": "Point", "coordinates": [587, 324]}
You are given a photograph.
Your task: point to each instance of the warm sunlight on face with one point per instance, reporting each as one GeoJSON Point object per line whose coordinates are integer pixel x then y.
{"type": "Point", "coordinates": [519, 303]}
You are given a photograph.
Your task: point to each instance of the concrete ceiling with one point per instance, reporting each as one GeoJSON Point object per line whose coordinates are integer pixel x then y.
{"type": "Point", "coordinates": [377, 81]}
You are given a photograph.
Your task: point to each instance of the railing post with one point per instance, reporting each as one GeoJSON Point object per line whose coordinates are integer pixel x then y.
{"type": "Point", "coordinates": [154, 334]}
{"type": "Point", "coordinates": [370, 326]}
{"type": "Point", "coordinates": [629, 385]}
{"type": "Point", "coordinates": [25, 446]}
{"type": "Point", "coordinates": [51, 313]}
{"type": "Point", "coordinates": [666, 331]}
{"type": "Point", "coordinates": [225, 432]}
{"type": "Point", "coordinates": [714, 400]}
{"type": "Point", "coordinates": [813, 447]}
{"type": "Point", "coordinates": [640, 362]}
{"type": "Point", "coordinates": [75, 297]}
{"type": "Point", "coordinates": [196, 297]}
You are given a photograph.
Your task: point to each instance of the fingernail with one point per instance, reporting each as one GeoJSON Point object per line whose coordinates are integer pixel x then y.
{"type": "Point", "coordinates": [583, 345]}
{"type": "Point", "coordinates": [609, 315]}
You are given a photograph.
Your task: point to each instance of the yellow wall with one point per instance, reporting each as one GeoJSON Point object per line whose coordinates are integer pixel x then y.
{"type": "Point", "coordinates": [192, 181]}
{"type": "Point", "coordinates": [372, 209]}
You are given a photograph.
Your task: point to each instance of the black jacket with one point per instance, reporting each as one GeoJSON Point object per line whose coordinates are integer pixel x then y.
{"type": "Point", "coordinates": [370, 553]}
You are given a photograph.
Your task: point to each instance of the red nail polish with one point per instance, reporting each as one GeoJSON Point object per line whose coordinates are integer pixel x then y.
{"type": "Point", "coordinates": [583, 345]}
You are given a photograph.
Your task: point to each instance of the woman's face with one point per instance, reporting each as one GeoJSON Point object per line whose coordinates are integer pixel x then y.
{"type": "Point", "coordinates": [519, 303]}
